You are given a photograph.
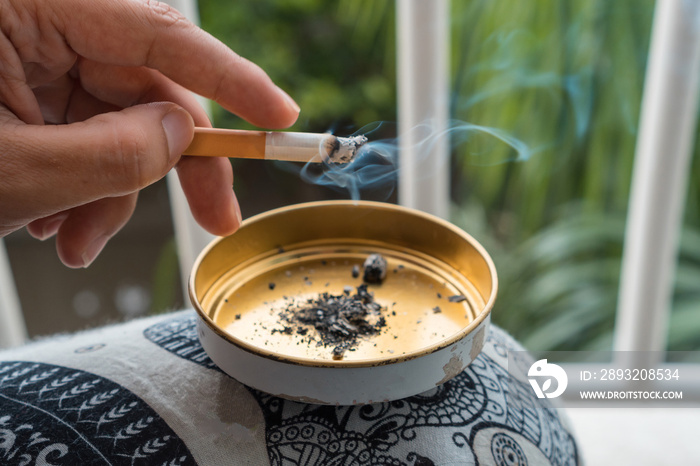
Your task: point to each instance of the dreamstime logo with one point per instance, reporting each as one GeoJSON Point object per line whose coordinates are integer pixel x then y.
{"type": "Point", "coordinates": [541, 370]}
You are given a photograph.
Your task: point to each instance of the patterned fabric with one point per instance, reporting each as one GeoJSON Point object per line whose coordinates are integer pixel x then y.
{"type": "Point", "coordinates": [145, 392]}
{"type": "Point", "coordinates": [54, 414]}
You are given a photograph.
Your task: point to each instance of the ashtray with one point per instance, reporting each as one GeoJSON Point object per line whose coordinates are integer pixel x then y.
{"type": "Point", "coordinates": [257, 291]}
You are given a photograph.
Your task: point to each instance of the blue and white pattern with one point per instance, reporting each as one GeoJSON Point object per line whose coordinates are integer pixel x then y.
{"type": "Point", "coordinates": [482, 416]}
{"type": "Point", "coordinates": [145, 393]}
{"type": "Point", "coordinates": [52, 415]}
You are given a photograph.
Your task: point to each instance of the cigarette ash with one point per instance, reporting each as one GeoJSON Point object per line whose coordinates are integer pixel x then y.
{"type": "Point", "coordinates": [374, 269]}
{"type": "Point", "coordinates": [343, 150]}
{"type": "Point", "coordinates": [341, 322]}
{"type": "Point", "coordinates": [337, 321]}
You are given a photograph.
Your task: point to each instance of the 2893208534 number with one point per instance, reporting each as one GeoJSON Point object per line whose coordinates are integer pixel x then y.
{"type": "Point", "coordinates": [639, 374]}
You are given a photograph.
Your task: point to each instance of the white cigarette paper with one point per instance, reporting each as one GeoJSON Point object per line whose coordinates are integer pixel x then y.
{"type": "Point", "coordinates": [305, 147]}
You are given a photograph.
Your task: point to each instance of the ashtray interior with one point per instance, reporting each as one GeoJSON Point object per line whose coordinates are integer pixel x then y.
{"type": "Point", "coordinates": [423, 300]}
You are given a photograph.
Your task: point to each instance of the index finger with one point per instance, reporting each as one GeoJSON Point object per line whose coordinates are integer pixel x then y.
{"type": "Point", "coordinates": [153, 34]}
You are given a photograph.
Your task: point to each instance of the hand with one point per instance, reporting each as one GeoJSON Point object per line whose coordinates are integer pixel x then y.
{"type": "Point", "coordinates": [94, 106]}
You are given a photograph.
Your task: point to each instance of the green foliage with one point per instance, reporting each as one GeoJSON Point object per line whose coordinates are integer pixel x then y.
{"type": "Point", "coordinates": [334, 58]}
{"type": "Point", "coordinates": [566, 79]}
{"type": "Point", "coordinates": [558, 289]}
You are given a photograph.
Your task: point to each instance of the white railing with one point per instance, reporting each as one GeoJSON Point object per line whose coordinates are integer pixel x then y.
{"type": "Point", "coordinates": [189, 236]}
{"type": "Point", "coordinates": [662, 166]}
{"type": "Point", "coordinates": [13, 331]}
{"type": "Point", "coordinates": [423, 84]}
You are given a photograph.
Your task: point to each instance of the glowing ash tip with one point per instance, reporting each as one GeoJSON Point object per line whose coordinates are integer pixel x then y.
{"type": "Point", "coordinates": [344, 150]}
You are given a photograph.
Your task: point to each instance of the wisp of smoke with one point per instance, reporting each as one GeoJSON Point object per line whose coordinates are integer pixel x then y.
{"type": "Point", "coordinates": [377, 164]}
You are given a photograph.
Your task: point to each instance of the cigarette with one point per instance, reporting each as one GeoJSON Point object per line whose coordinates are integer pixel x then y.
{"type": "Point", "coordinates": [271, 145]}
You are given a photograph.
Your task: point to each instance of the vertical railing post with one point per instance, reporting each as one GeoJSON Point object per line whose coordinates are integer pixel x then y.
{"type": "Point", "coordinates": [662, 161]}
{"type": "Point", "coordinates": [13, 331]}
{"type": "Point", "coordinates": [423, 98]}
{"type": "Point", "coordinates": [189, 236]}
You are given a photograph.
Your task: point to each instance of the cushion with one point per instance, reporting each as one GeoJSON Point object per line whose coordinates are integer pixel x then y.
{"type": "Point", "coordinates": [145, 393]}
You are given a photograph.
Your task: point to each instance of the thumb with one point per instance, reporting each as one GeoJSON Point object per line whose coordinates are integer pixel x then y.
{"type": "Point", "coordinates": [108, 155]}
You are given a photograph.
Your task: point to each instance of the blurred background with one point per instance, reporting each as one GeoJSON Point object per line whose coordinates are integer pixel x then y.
{"type": "Point", "coordinates": [564, 80]}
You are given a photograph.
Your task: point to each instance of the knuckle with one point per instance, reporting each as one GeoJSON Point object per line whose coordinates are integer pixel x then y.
{"type": "Point", "coordinates": [131, 166]}
{"type": "Point", "coordinates": [163, 14]}
{"type": "Point", "coordinates": [161, 18]}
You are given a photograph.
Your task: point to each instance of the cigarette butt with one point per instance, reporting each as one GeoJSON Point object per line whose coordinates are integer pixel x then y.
{"type": "Point", "coordinates": [271, 145]}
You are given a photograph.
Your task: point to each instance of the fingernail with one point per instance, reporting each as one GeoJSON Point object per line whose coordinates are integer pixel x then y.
{"type": "Point", "coordinates": [94, 249]}
{"type": "Point", "coordinates": [237, 209]}
{"type": "Point", "coordinates": [290, 102]}
{"type": "Point", "coordinates": [178, 126]}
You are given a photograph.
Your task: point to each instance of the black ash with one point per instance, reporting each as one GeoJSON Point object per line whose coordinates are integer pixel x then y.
{"type": "Point", "coordinates": [374, 269]}
{"type": "Point", "coordinates": [458, 298]}
{"type": "Point", "coordinates": [343, 150]}
{"type": "Point", "coordinates": [336, 321]}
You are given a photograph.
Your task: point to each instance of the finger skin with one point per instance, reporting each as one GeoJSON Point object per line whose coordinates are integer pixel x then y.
{"type": "Point", "coordinates": [127, 86]}
{"type": "Point", "coordinates": [108, 155]}
{"type": "Point", "coordinates": [206, 182]}
{"type": "Point", "coordinates": [87, 228]}
{"type": "Point", "coordinates": [155, 35]}
{"type": "Point", "coordinates": [210, 193]}
{"type": "Point", "coordinates": [44, 228]}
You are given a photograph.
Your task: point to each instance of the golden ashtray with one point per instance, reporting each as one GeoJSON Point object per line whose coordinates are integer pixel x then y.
{"type": "Point", "coordinates": [429, 314]}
